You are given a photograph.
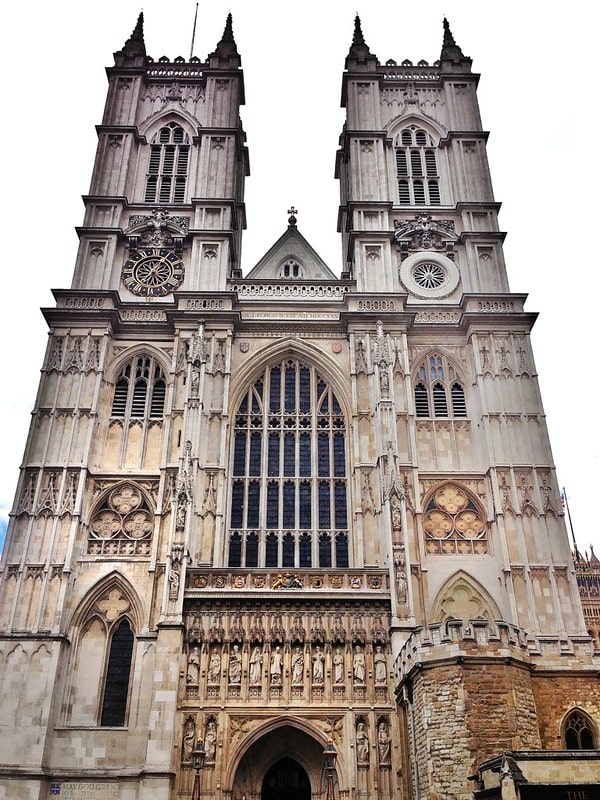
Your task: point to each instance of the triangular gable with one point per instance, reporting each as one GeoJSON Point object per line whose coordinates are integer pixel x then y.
{"type": "Point", "coordinates": [292, 258]}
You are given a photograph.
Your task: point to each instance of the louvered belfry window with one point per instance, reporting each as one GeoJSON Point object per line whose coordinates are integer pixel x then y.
{"type": "Point", "coordinates": [439, 390]}
{"type": "Point", "coordinates": [140, 390]}
{"type": "Point", "coordinates": [168, 167]}
{"type": "Point", "coordinates": [417, 169]}
{"type": "Point", "coordinates": [289, 505]}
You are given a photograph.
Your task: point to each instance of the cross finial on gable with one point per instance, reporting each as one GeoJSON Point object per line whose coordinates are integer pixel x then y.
{"type": "Point", "coordinates": [292, 218]}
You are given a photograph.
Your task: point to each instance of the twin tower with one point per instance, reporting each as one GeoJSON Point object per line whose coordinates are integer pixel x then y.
{"type": "Point", "coordinates": [299, 510]}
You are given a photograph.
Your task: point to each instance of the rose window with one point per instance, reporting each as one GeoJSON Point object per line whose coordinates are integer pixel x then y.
{"type": "Point", "coordinates": [429, 275]}
{"type": "Point", "coordinates": [453, 524]}
{"type": "Point", "coordinates": [122, 525]}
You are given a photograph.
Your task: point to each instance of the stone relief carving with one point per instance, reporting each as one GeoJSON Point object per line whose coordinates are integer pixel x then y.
{"type": "Point", "coordinates": [188, 740]}
{"type": "Point", "coordinates": [383, 742]}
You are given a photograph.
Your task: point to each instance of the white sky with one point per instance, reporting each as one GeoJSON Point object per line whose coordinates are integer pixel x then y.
{"type": "Point", "coordinates": [538, 96]}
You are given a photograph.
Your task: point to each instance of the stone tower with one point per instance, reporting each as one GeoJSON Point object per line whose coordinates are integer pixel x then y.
{"type": "Point", "coordinates": [299, 509]}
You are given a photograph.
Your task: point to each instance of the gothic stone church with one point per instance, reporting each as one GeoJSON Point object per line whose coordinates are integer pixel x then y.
{"type": "Point", "coordinates": [297, 509]}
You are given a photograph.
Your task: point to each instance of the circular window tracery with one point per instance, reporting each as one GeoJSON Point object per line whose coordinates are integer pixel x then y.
{"type": "Point", "coordinates": [453, 524]}
{"type": "Point", "coordinates": [122, 525]}
{"type": "Point", "coordinates": [429, 275]}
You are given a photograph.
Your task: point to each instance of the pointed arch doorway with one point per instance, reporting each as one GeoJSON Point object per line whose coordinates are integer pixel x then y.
{"type": "Point", "coordinates": [286, 780]}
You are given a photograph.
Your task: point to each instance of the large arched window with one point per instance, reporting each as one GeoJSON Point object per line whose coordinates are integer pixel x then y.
{"type": "Point", "coordinates": [101, 677]}
{"type": "Point", "coordinates": [416, 168]}
{"type": "Point", "coordinates": [439, 389]}
{"type": "Point", "coordinates": [289, 503]}
{"type": "Point", "coordinates": [578, 731]}
{"type": "Point", "coordinates": [168, 167]}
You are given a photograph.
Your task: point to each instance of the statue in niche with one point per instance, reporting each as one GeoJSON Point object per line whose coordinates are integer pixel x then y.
{"type": "Point", "coordinates": [276, 667]}
{"type": "Point", "coordinates": [318, 671]}
{"type": "Point", "coordinates": [383, 742]}
{"type": "Point", "coordinates": [193, 667]}
{"type": "Point", "coordinates": [359, 666]}
{"type": "Point", "coordinates": [297, 666]}
{"type": "Point", "coordinates": [210, 741]}
{"type": "Point", "coordinates": [396, 512]}
{"type": "Point", "coordinates": [235, 665]}
{"type": "Point", "coordinates": [189, 739]}
{"type": "Point", "coordinates": [338, 667]}
{"type": "Point", "coordinates": [214, 667]}
{"type": "Point", "coordinates": [380, 662]}
{"type": "Point", "coordinates": [256, 660]}
{"type": "Point", "coordinates": [362, 743]}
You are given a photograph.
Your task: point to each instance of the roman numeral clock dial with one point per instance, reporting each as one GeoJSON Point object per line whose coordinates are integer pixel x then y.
{"type": "Point", "coordinates": [154, 272]}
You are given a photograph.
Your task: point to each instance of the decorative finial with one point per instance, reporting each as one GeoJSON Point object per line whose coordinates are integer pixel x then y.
{"type": "Point", "coordinates": [227, 47]}
{"type": "Point", "coordinates": [135, 46]}
{"type": "Point", "coordinates": [359, 50]}
{"type": "Point", "coordinates": [292, 218]}
{"type": "Point", "coordinates": [450, 50]}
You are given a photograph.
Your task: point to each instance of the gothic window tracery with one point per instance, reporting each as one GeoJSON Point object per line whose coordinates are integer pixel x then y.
{"type": "Point", "coordinates": [122, 525]}
{"type": "Point", "coordinates": [168, 166]}
{"type": "Point", "coordinates": [578, 731]}
{"type": "Point", "coordinates": [137, 410]}
{"type": "Point", "coordinates": [439, 389]}
{"type": "Point", "coordinates": [453, 523]}
{"type": "Point", "coordinates": [289, 487]}
{"type": "Point", "coordinates": [416, 168]}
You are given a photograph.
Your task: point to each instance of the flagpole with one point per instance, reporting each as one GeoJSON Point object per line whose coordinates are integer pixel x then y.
{"type": "Point", "coordinates": [566, 501]}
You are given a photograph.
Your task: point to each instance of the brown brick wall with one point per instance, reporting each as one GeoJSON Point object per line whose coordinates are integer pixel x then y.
{"type": "Point", "coordinates": [555, 695]}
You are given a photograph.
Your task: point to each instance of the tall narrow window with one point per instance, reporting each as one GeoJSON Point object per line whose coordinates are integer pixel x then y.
{"type": "Point", "coordinates": [289, 485]}
{"type": "Point", "coordinates": [415, 159]}
{"type": "Point", "coordinates": [138, 408]}
{"type": "Point", "coordinates": [168, 166]}
{"type": "Point", "coordinates": [439, 389]}
{"type": "Point", "coordinates": [116, 684]}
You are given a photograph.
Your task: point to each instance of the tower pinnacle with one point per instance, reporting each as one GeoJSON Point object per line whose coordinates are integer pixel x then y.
{"type": "Point", "coordinates": [134, 46]}
{"type": "Point", "coordinates": [449, 47]}
{"type": "Point", "coordinates": [359, 50]}
{"type": "Point", "coordinates": [227, 47]}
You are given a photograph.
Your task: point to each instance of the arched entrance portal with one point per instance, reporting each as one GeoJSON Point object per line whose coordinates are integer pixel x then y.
{"type": "Point", "coordinates": [286, 780]}
{"type": "Point", "coordinates": [286, 763]}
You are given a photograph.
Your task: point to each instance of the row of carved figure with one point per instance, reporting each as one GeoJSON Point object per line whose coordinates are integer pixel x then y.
{"type": "Point", "coordinates": [362, 741]}
{"type": "Point", "coordinates": [300, 661]}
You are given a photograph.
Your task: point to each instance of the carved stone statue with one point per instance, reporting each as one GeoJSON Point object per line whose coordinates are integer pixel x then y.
{"type": "Point", "coordinates": [210, 741]}
{"type": "Point", "coordinates": [318, 671]}
{"type": "Point", "coordinates": [297, 666]}
{"type": "Point", "coordinates": [362, 743]}
{"type": "Point", "coordinates": [256, 660]}
{"type": "Point", "coordinates": [358, 666]}
{"type": "Point", "coordinates": [189, 739]}
{"type": "Point", "coordinates": [338, 667]}
{"type": "Point", "coordinates": [380, 662]}
{"type": "Point", "coordinates": [235, 665]}
{"type": "Point", "coordinates": [383, 743]}
{"type": "Point", "coordinates": [214, 667]}
{"type": "Point", "coordinates": [276, 667]}
{"type": "Point", "coordinates": [193, 666]}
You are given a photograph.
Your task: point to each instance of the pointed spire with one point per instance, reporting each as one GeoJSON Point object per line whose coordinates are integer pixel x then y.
{"type": "Point", "coordinates": [359, 48]}
{"type": "Point", "coordinates": [449, 47]}
{"type": "Point", "coordinates": [227, 47]}
{"type": "Point", "coordinates": [134, 46]}
{"type": "Point", "coordinates": [359, 52]}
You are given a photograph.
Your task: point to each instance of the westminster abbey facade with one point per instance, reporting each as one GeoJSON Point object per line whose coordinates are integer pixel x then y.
{"type": "Point", "coordinates": [298, 509]}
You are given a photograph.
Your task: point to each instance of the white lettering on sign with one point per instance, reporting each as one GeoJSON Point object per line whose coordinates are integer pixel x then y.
{"type": "Point", "coordinates": [84, 790]}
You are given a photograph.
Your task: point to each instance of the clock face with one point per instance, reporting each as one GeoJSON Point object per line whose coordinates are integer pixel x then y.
{"type": "Point", "coordinates": [154, 272]}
